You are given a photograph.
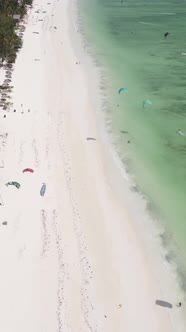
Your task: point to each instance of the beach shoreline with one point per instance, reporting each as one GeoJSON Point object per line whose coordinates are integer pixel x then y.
{"type": "Point", "coordinates": [120, 177]}
{"type": "Point", "coordinates": [122, 183]}
{"type": "Point", "coordinates": [75, 259]}
{"type": "Point", "coordinates": [133, 55]}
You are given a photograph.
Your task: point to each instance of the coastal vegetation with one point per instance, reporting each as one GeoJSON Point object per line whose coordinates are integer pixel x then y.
{"type": "Point", "coordinates": [11, 13]}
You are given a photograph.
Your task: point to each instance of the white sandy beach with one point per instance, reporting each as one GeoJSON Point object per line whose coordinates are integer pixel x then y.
{"type": "Point", "coordinates": [70, 258]}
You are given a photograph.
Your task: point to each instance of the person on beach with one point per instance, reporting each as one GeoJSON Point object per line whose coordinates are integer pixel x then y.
{"type": "Point", "coordinates": [179, 304]}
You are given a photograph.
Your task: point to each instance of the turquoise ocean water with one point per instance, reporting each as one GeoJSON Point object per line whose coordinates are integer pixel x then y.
{"type": "Point", "coordinates": [127, 38]}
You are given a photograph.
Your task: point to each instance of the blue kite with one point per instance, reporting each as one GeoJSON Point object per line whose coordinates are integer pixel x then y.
{"type": "Point", "coordinates": [122, 90]}
{"type": "Point", "coordinates": [43, 189]}
{"type": "Point", "coordinates": [147, 102]}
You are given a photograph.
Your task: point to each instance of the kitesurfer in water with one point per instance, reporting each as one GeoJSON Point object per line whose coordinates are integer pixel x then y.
{"type": "Point", "coordinates": [180, 132]}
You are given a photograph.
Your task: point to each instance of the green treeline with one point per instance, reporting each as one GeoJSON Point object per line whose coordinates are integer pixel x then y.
{"type": "Point", "coordinates": [10, 42]}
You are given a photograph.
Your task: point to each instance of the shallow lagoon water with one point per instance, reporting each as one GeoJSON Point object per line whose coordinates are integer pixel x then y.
{"type": "Point", "coordinates": [127, 38]}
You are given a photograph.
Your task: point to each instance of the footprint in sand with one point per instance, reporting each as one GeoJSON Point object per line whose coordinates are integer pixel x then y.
{"type": "Point", "coordinates": [21, 252]}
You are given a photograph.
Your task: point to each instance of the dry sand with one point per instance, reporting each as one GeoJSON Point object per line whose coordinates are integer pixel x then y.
{"type": "Point", "coordinates": [72, 260]}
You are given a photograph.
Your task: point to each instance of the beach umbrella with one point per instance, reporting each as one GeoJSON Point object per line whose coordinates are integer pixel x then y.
{"type": "Point", "coordinates": [13, 183]}
{"type": "Point", "coordinates": [43, 189]}
{"type": "Point", "coordinates": [9, 70]}
{"type": "Point", "coordinates": [28, 170]}
{"type": "Point", "coordinates": [9, 65]}
{"type": "Point", "coordinates": [147, 102]}
{"type": "Point", "coordinates": [122, 90]}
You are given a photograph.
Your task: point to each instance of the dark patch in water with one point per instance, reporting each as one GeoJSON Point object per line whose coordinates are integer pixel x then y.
{"type": "Point", "coordinates": [179, 148]}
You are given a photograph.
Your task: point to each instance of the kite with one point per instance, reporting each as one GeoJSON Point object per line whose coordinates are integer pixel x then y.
{"type": "Point", "coordinates": [180, 132]}
{"type": "Point", "coordinates": [28, 170]}
{"type": "Point", "coordinates": [147, 102]}
{"type": "Point", "coordinates": [122, 90]}
{"type": "Point", "coordinates": [43, 189]}
{"type": "Point", "coordinates": [13, 183]}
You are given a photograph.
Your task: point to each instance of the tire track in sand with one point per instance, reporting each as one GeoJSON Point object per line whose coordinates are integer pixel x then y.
{"type": "Point", "coordinates": [60, 273]}
{"type": "Point", "coordinates": [86, 270]}
{"type": "Point", "coordinates": [45, 234]}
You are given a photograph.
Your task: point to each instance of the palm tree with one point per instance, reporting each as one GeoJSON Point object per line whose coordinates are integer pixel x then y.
{"type": "Point", "coordinates": [9, 41]}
